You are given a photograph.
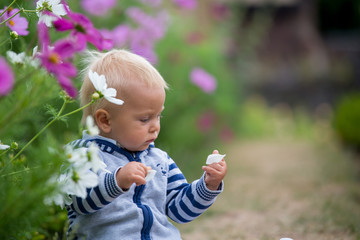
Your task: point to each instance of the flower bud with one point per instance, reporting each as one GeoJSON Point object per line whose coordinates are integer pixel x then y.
{"type": "Point", "coordinates": [14, 35]}
{"type": "Point", "coordinates": [95, 96]}
{"type": "Point", "coordinates": [14, 145]}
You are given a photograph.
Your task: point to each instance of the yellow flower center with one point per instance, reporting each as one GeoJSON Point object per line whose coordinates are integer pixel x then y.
{"type": "Point", "coordinates": [11, 22]}
{"type": "Point", "coordinates": [54, 58]}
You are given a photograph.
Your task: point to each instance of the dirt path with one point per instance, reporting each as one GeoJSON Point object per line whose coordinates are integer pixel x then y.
{"type": "Point", "coordinates": [276, 189]}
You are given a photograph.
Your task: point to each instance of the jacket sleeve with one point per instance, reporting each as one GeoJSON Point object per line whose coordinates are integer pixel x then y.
{"type": "Point", "coordinates": [98, 197]}
{"type": "Point", "coordinates": [185, 201]}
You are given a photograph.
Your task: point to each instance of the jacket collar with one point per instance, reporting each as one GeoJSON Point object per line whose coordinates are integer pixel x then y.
{"type": "Point", "coordinates": [110, 145]}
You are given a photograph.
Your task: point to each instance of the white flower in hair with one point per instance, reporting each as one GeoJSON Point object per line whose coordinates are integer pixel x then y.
{"type": "Point", "coordinates": [100, 85]}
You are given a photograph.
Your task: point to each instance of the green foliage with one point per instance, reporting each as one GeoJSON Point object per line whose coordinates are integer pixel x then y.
{"type": "Point", "coordinates": [347, 119]}
{"type": "Point", "coordinates": [182, 133]}
{"type": "Point", "coordinates": [23, 185]}
{"type": "Point", "coordinates": [257, 120]}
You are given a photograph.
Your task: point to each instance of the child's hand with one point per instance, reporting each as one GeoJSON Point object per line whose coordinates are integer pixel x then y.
{"type": "Point", "coordinates": [215, 173]}
{"type": "Point", "coordinates": [133, 172]}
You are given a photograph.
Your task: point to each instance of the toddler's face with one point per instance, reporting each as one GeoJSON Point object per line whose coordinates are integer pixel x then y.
{"type": "Point", "coordinates": [136, 123]}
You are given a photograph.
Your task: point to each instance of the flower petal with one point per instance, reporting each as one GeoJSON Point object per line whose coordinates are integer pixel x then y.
{"type": "Point", "coordinates": [109, 92]}
{"type": "Point", "coordinates": [97, 81]}
{"type": "Point", "coordinates": [63, 24]}
{"type": "Point", "coordinates": [114, 100]}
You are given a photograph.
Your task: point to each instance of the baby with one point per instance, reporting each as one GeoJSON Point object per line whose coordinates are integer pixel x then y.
{"type": "Point", "coordinates": [124, 205]}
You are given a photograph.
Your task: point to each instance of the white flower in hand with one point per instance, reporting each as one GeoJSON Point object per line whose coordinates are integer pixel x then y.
{"type": "Point", "coordinates": [92, 129]}
{"type": "Point", "coordinates": [100, 85]}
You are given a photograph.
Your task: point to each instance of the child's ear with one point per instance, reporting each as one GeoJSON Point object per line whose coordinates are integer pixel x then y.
{"type": "Point", "coordinates": [102, 118]}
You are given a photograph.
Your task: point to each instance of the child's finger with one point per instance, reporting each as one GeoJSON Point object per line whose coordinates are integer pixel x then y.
{"type": "Point", "coordinates": [139, 180]}
{"type": "Point", "coordinates": [215, 152]}
{"type": "Point", "coordinates": [216, 167]}
{"type": "Point", "coordinates": [222, 162]}
{"type": "Point", "coordinates": [211, 170]}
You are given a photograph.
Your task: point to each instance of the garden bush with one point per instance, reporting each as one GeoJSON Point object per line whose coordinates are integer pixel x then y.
{"type": "Point", "coordinates": [347, 120]}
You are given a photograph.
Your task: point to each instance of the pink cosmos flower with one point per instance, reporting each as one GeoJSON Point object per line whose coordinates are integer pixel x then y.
{"type": "Point", "coordinates": [97, 7]}
{"type": "Point", "coordinates": [83, 30]}
{"type": "Point", "coordinates": [155, 26]}
{"type": "Point", "coordinates": [220, 11]}
{"type": "Point", "coordinates": [206, 121]}
{"type": "Point", "coordinates": [149, 30]}
{"type": "Point", "coordinates": [142, 45]}
{"type": "Point", "coordinates": [18, 24]}
{"type": "Point", "coordinates": [119, 35]}
{"type": "Point", "coordinates": [203, 80]}
{"type": "Point", "coordinates": [54, 59]}
{"type": "Point", "coordinates": [186, 4]}
{"type": "Point", "coordinates": [6, 77]}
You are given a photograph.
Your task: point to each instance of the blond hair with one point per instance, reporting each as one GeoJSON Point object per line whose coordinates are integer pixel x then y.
{"type": "Point", "coordinates": [119, 68]}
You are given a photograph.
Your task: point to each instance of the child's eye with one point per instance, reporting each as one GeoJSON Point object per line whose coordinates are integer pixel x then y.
{"type": "Point", "coordinates": [144, 120]}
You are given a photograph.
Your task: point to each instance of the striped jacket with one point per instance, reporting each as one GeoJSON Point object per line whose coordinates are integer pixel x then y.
{"type": "Point", "coordinates": [108, 212]}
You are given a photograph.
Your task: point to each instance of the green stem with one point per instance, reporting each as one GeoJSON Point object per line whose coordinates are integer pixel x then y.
{"type": "Point", "coordinates": [13, 173]}
{"type": "Point", "coordinates": [4, 42]}
{"type": "Point", "coordinates": [4, 152]}
{"type": "Point", "coordinates": [41, 131]}
{"type": "Point", "coordinates": [7, 8]}
{"type": "Point", "coordinates": [21, 10]}
{"type": "Point", "coordinates": [58, 117]}
{"type": "Point", "coordinates": [20, 171]}
{"type": "Point", "coordinates": [29, 11]}
{"type": "Point", "coordinates": [77, 110]}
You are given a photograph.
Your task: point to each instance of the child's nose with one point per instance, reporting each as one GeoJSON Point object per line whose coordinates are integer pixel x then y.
{"type": "Point", "coordinates": [155, 126]}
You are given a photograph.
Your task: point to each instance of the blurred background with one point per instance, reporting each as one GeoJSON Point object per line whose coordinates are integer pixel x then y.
{"type": "Point", "coordinates": [238, 70]}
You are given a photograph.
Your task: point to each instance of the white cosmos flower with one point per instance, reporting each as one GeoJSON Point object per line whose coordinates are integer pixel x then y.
{"type": "Point", "coordinates": [91, 128]}
{"type": "Point", "coordinates": [78, 180]}
{"type": "Point", "coordinates": [21, 58]}
{"type": "Point", "coordinates": [3, 147]}
{"type": "Point", "coordinates": [33, 60]}
{"type": "Point", "coordinates": [59, 197]}
{"type": "Point", "coordinates": [53, 6]}
{"type": "Point", "coordinates": [94, 160]}
{"type": "Point", "coordinates": [85, 158]}
{"type": "Point", "coordinates": [100, 85]}
{"type": "Point", "coordinates": [80, 175]}
{"type": "Point", "coordinates": [16, 58]}
{"type": "Point", "coordinates": [77, 156]}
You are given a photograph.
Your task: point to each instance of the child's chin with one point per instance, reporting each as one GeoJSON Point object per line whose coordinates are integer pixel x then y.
{"type": "Point", "coordinates": [139, 149]}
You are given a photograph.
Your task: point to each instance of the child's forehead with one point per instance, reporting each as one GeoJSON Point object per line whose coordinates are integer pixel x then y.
{"type": "Point", "coordinates": [146, 96]}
